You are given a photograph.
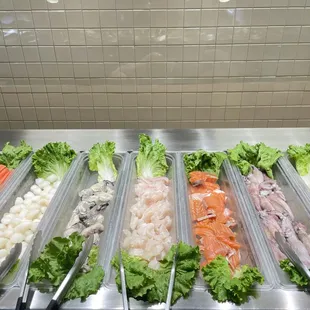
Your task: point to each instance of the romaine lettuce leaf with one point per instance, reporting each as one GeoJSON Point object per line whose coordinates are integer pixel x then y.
{"type": "Point", "coordinates": [261, 156]}
{"type": "Point", "coordinates": [295, 276]}
{"type": "Point", "coordinates": [53, 159]}
{"type": "Point", "coordinates": [11, 156]}
{"type": "Point", "coordinates": [301, 156]}
{"type": "Point", "coordinates": [56, 260]}
{"type": "Point", "coordinates": [151, 160]}
{"type": "Point", "coordinates": [151, 285]}
{"type": "Point", "coordinates": [101, 160]}
{"type": "Point", "coordinates": [225, 286]}
{"type": "Point", "coordinates": [204, 161]}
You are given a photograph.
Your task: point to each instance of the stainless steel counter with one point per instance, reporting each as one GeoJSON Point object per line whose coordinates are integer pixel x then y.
{"type": "Point", "coordinates": [175, 140]}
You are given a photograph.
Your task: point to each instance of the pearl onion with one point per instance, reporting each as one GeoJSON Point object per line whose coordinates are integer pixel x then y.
{"type": "Point", "coordinates": [16, 238]}
{"type": "Point", "coordinates": [3, 253]}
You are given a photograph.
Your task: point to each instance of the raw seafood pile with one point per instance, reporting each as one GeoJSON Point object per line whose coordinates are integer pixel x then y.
{"type": "Point", "coordinates": [212, 224]}
{"type": "Point", "coordinates": [151, 220]}
{"type": "Point", "coordinates": [212, 221]}
{"type": "Point", "coordinates": [19, 224]}
{"type": "Point", "coordinates": [301, 156]}
{"type": "Point", "coordinates": [11, 157]}
{"type": "Point", "coordinates": [276, 215]}
{"type": "Point", "coordinates": [149, 234]}
{"type": "Point", "coordinates": [88, 218]}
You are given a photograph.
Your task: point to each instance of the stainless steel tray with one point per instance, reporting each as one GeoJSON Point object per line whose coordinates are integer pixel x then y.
{"type": "Point", "coordinates": [298, 209]}
{"type": "Point", "coordinates": [251, 244]}
{"type": "Point", "coordinates": [24, 181]}
{"type": "Point", "coordinates": [123, 213]}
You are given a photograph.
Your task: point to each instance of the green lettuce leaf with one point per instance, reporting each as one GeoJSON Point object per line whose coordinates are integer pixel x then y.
{"type": "Point", "coordinates": [151, 285]}
{"type": "Point", "coordinates": [101, 160]}
{"type": "Point", "coordinates": [151, 160]}
{"type": "Point", "coordinates": [261, 156]}
{"type": "Point", "coordinates": [56, 260]}
{"type": "Point", "coordinates": [187, 266]}
{"type": "Point", "coordinates": [295, 276]}
{"type": "Point", "coordinates": [139, 277]}
{"type": "Point", "coordinates": [86, 284]}
{"type": "Point", "coordinates": [11, 156]}
{"type": "Point", "coordinates": [301, 156]}
{"type": "Point", "coordinates": [53, 159]}
{"type": "Point", "coordinates": [224, 286]}
{"type": "Point", "coordinates": [204, 161]}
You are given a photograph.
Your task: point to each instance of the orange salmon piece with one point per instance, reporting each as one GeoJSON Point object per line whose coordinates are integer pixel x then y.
{"type": "Point", "coordinates": [198, 211]}
{"type": "Point", "coordinates": [200, 176]}
{"type": "Point", "coordinates": [213, 247]}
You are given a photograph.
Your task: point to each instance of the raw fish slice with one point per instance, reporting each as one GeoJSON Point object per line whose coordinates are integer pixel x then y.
{"type": "Point", "coordinates": [202, 177]}
{"type": "Point", "coordinates": [213, 247]}
{"type": "Point", "coordinates": [197, 210]}
{"type": "Point", "coordinates": [301, 232]}
{"type": "Point", "coordinates": [228, 241]}
{"type": "Point", "coordinates": [221, 229]}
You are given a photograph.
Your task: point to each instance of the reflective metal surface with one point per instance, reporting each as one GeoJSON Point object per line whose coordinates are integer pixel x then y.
{"type": "Point", "coordinates": [175, 140]}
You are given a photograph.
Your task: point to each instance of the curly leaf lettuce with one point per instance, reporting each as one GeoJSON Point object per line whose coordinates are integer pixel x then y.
{"type": "Point", "coordinates": [101, 160]}
{"type": "Point", "coordinates": [260, 155]}
{"type": "Point", "coordinates": [86, 284]}
{"type": "Point", "coordinates": [53, 159]}
{"type": "Point", "coordinates": [139, 277]}
{"type": "Point", "coordinates": [225, 286]}
{"type": "Point", "coordinates": [151, 285]}
{"type": "Point", "coordinates": [56, 260]}
{"type": "Point", "coordinates": [151, 160]}
{"type": "Point", "coordinates": [295, 276]}
{"type": "Point", "coordinates": [187, 266]}
{"type": "Point", "coordinates": [301, 156]}
{"type": "Point", "coordinates": [11, 156]}
{"type": "Point", "coordinates": [204, 161]}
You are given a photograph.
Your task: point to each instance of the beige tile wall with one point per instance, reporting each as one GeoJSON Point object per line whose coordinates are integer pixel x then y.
{"type": "Point", "coordinates": [154, 63]}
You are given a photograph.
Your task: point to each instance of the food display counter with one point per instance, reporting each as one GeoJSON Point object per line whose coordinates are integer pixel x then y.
{"type": "Point", "coordinates": [275, 292]}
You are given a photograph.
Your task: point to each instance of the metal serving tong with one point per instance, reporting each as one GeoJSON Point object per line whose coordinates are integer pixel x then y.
{"type": "Point", "coordinates": [123, 280]}
{"type": "Point", "coordinates": [172, 278]}
{"type": "Point", "coordinates": [10, 260]}
{"type": "Point", "coordinates": [291, 255]}
{"type": "Point", "coordinates": [67, 282]}
{"type": "Point", "coordinates": [24, 290]}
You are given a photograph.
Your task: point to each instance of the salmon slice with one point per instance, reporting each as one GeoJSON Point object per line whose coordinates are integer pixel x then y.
{"type": "Point", "coordinates": [213, 247]}
{"type": "Point", "coordinates": [228, 241]}
{"type": "Point", "coordinates": [222, 230]}
{"type": "Point", "coordinates": [197, 177]}
{"type": "Point", "coordinates": [198, 211]}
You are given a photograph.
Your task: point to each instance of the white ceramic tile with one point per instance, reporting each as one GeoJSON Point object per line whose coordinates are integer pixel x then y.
{"type": "Point", "coordinates": [58, 19]}
{"type": "Point", "coordinates": [74, 19]}
{"type": "Point", "coordinates": [192, 18]}
{"type": "Point", "coordinates": [41, 19]}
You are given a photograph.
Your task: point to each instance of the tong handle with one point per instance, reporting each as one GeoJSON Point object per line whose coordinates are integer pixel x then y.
{"type": "Point", "coordinates": [53, 305]}
{"type": "Point", "coordinates": [20, 305]}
